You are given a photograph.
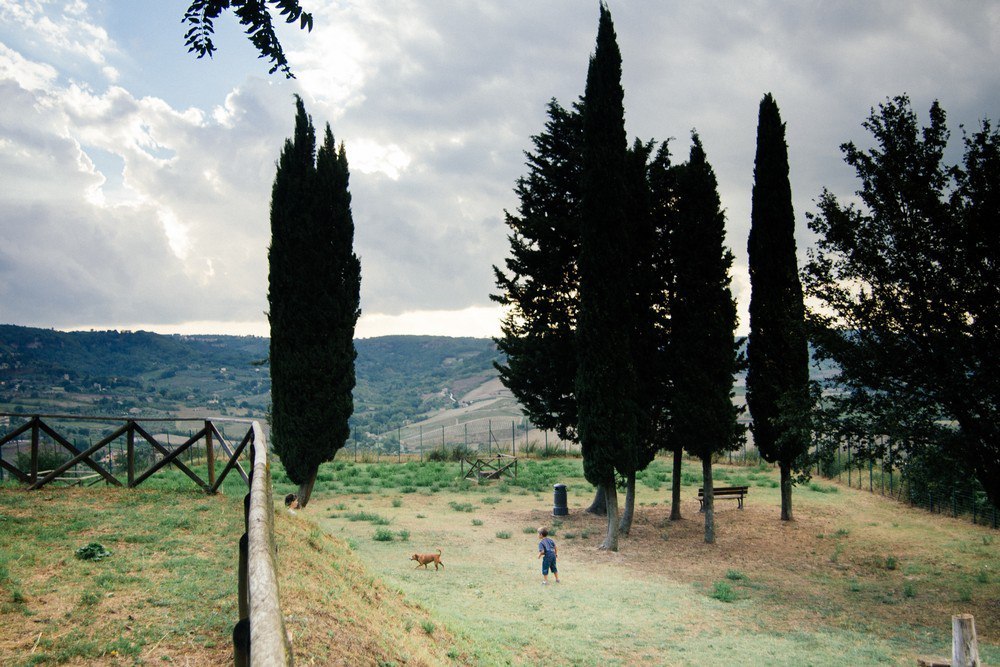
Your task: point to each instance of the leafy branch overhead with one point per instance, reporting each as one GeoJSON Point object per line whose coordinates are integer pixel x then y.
{"type": "Point", "coordinates": [255, 15]}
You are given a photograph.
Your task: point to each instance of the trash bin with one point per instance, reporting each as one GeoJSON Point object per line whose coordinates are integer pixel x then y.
{"type": "Point", "coordinates": [559, 507]}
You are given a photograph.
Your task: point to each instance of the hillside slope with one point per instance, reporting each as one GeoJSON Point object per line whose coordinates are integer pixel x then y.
{"type": "Point", "coordinates": [400, 379]}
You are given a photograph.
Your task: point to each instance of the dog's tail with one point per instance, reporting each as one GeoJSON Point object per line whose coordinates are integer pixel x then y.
{"type": "Point", "coordinates": [439, 552]}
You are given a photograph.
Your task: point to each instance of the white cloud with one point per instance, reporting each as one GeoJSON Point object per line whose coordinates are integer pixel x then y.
{"type": "Point", "coordinates": [475, 321]}
{"type": "Point", "coordinates": [120, 207]}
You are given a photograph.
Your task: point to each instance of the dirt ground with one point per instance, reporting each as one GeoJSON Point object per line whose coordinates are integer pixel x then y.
{"type": "Point", "coordinates": [834, 561]}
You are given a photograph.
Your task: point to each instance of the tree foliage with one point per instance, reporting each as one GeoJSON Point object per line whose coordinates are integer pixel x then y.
{"type": "Point", "coordinates": [907, 285]}
{"type": "Point", "coordinates": [703, 354]}
{"type": "Point", "coordinates": [777, 351]}
{"type": "Point", "coordinates": [255, 16]}
{"type": "Point", "coordinates": [606, 380]}
{"type": "Point", "coordinates": [314, 286]}
{"type": "Point", "coordinates": [540, 284]}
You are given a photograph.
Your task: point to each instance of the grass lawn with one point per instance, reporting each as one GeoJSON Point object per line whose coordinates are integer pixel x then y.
{"type": "Point", "coordinates": [855, 579]}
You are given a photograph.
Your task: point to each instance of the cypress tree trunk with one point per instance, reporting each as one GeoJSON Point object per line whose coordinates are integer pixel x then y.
{"type": "Point", "coordinates": [675, 483]}
{"type": "Point", "coordinates": [786, 490]}
{"type": "Point", "coordinates": [306, 489]}
{"type": "Point", "coordinates": [611, 496]}
{"type": "Point", "coordinates": [706, 470]}
{"type": "Point", "coordinates": [625, 526]}
{"type": "Point", "coordinates": [600, 504]}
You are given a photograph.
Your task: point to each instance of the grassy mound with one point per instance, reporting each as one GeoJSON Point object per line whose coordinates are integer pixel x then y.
{"type": "Point", "coordinates": [166, 591]}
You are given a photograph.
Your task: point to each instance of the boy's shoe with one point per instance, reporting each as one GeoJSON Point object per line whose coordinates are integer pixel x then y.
{"type": "Point", "coordinates": [545, 583]}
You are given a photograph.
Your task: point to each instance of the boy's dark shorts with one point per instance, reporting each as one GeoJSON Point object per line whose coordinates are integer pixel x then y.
{"type": "Point", "coordinates": [549, 563]}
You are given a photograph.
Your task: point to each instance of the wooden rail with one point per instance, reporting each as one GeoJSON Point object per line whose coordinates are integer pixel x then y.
{"type": "Point", "coordinates": [493, 468]}
{"type": "Point", "coordinates": [259, 637]}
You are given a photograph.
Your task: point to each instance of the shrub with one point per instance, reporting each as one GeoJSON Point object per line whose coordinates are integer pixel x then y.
{"type": "Point", "coordinates": [490, 500]}
{"type": "Point", "coordinates": [819, 488]}
{"type": "Point", "coordinates": [891, 563]}
{"type": "Point", "coordinates": [460, 507]}
{"type": "Point", "coordinates": [93, 551]}
{"type": "Point", "coordinates": [397, 502]}
{"type": "Point", "coordinates": [477, 522]}
{"type": "Point", "coordinates": [404, 535]}
{"type": "Point", "coordinates": [368, 516]}
{"type": "Point", "coordinates": [723, 592]}
{"type": "Point", "coordinates": [503, 535]}
{"type": "Point", "coordinates": [428, 627]}
{"type": "Point", "coordinates": [529, 530]}
{"type": "Point", "coordinates": [383, 535]}
{"type": "Point", "coordinates": [909, 590]}
{"type": "Point", "coordinates": [734, 575]}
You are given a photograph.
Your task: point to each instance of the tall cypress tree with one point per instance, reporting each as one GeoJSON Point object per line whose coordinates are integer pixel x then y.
{"type": "Point", "coordinates": [704, 354]}
{"type": "Point", "coordinates": [606, 380]}
{"type": "Point", "coordinates": [313, 298]}
{"type": "Point", "coordinates": [664, 195]}
{"type": "Point", "coordinates": [539, 286]}
{"type": "Point", "coordinates": [777, 351]}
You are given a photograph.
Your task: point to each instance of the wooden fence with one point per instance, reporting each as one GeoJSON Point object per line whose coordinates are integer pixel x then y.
{"type": "Point", "coordinates": [259, 637]}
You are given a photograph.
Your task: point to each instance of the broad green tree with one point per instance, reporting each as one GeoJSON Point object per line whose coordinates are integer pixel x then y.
{"type": "Point", "coordinates": [538, 285]}
{"type": "Point", "coordinates": [777, 351]}
{"type": "Point", "coordinates": [704, 356]}
{"type": "Point", "coordinates": [908, 285]}
{"type": "Point", "coordinates": [606, 381]}
{"type": "Point", "coordinates": [313, 298]}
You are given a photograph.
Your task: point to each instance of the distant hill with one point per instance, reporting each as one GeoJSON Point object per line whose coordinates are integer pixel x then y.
{"type": "Point", "coordinates": [401, 379]}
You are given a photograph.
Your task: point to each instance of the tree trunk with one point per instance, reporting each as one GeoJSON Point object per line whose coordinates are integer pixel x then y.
{"type": "Point", "coordinates": [611, 496]}
{"type": "Point", "coordinates": [706, 470]}
{"type": "Point", "coordinates": [626, 523]}
{"type": "Point", "coordinates": [786, 490]}
{"type": "Point", "coordinates": [675, 483]}
{"type": "Point", "coordinates": [306, 489]}
{"type": "Point", "coordinates": [600, 505]}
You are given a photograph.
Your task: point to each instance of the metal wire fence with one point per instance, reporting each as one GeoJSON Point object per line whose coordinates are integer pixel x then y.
{"type": "Point", "coordinates": [850, 464]}
{"type": "Point", "coordinates": [456, 439]}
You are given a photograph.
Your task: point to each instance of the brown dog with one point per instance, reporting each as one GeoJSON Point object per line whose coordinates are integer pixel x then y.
{"type": "Point", "coordinates": [427, 559]}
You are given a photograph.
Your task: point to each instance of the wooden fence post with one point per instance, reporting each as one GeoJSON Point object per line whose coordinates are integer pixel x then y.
{"type": "Point", "coordinates": [209, 453]}
{"type": "Point", "coordinates": [964, 645]}
{"type": "Point", "coordinates": [33, 473]}
{"type": "Point", "coordinates": [130, 453]}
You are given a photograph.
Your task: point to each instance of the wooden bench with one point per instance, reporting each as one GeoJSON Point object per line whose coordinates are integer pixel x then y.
{"type": "Point", "coordinates": [724, 492]}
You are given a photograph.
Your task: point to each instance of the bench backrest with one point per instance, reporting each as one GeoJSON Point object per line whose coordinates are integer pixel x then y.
{"type": "Point", "coordinates": [726, 490]}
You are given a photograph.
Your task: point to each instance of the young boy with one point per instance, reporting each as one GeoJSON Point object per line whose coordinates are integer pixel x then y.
{"type": "Point", "coordinates": [547, 552]}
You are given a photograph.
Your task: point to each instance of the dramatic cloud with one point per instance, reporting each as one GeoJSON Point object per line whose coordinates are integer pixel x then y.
{"type": "Point", "coordinates": [137, 180]}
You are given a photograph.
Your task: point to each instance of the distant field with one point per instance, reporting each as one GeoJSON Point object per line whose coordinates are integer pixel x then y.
{"type": "Point", "coordinates": [855, 579]}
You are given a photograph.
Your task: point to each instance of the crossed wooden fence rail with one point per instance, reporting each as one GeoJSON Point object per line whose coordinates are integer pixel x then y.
{"type": "Point", "coordinates": [493, 468]}
{"type": "Point", "coordinates": [259, 637]}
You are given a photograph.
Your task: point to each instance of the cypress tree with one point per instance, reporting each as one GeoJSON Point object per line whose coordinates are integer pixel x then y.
{"type": "Point", "coordinates": [704, 354]}
{"type": "Point", "coordinates": [313, 298]}
{"type": "Point", "coordinates": [777, 351]}
{"type": "Point", "coordinates": [606, 380]}
{"type": "Point", "coordinates": [663, 186]}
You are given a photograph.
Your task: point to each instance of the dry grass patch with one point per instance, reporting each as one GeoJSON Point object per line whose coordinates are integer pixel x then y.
{"type": "Point", "coordinates": [856, 577]}
{"type": "Point", "coordinates": [339, 614]}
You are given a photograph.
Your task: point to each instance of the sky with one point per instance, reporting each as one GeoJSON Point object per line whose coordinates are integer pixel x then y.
{"type": "Point", "coordinates": [135, 179]}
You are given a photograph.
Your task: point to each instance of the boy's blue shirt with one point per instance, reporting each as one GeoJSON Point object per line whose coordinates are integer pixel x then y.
{"type": "Point", "coordinates": [547, 545]}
